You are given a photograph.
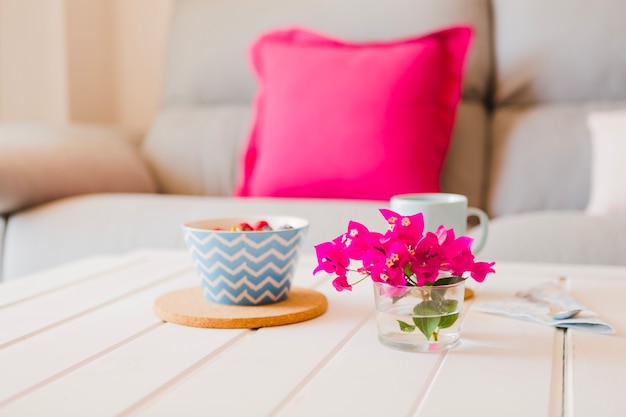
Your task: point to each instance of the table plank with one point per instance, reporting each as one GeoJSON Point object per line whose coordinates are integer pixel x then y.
{"type": "Point", "coordinates": [359, 380]}
{"type": "Point", "coordinates": [263, 370]}
{"type": "Point", "coordinates": [495, 373]}
{"type": "Point", "coordinates": [33, 285]}
{"type": "Point", "coordinates": [115, 381]}
{"type": "Point", "coordinates": [599, 370]}
{"type": "Point", "coordinates": [68, 274]}
{"type": "Point", "coordinates": [26, 318]}
{"type": "Point", "coordinates": [48, 355]}
{"type": "Point", "coordinates": [500, 363]}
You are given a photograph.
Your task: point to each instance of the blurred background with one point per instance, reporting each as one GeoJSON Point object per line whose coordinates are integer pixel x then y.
{"type": "Point", "coordinates": [85, 61]}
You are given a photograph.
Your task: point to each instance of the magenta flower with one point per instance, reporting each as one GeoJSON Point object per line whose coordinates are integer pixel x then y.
{"type": "Point", "coordinates": [390, 264]}
{"type": "Point", "coordinates": [403, 256]}
{"type": "Point", "coordinates": [408, 229]}
{"type": "Point", "coordinates": [332, 258]}
{"type": "Point", "coordinates": [341, 283]}
{"type": "Point", "coordinates": [359, 241]}
{"type": "Point", "coordinates": [480, 270]}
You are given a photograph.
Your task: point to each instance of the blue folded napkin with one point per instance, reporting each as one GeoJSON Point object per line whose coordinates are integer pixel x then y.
{"type": "Point", "coordinates": [539, 312]}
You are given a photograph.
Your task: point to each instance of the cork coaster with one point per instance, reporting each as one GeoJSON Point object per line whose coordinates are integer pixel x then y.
{"type": "Point", "coordinates": [469, 293]}
{"type": "Point", "coordinates": [189, 307]}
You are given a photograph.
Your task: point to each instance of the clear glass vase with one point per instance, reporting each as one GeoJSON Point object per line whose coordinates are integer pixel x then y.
{"type": "Point", "coordinates": [419, 319]}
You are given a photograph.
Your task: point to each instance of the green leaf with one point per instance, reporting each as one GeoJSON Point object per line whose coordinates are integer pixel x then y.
{"type": "Point", "coordinates": [427, 325]}
{"type": "Point", "coordinates": [448, 281]}
{"type": "Point", "coordinates": [448, 306]}
{"type": "Point", "coordinates": [435, 307]}
{"type": "Point", "coordinates": [427, 308]}
{"type": "Point", "coordinates": [406, 327]}
{"type": "Point", "coordinates": [448, 321]}
{"type": "Point", "coordinates": [429, 321]}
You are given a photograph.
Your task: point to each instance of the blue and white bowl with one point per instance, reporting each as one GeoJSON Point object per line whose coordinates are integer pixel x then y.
{"type": "Point", "coordinates": [245, 267]}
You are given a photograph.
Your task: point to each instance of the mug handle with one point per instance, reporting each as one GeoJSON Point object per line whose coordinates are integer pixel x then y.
{"type": "Point", "coordinates": [483, 222]}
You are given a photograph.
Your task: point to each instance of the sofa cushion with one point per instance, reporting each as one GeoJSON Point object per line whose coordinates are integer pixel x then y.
{"type": "Point", "coordinates": [608, 167]}
{"type": "Point", "coordinates": [196, 149]}
{"type": "Point", "coordinates": [40, 162]}
{"type": "Point", "coordinates": [352, 120]}
{"type": "Point", "coordinates": [556, 236]}
{"type": "Point", "coordinates": [534, 148]}
{"type": "Point", "coordinates": [465, 169]}
{"type": "Point", "coordinates": [541, 157]}
{"type": "Point", "coordinates": [559, 51]}
{"type": "Point", "coordinates": [117, 223]}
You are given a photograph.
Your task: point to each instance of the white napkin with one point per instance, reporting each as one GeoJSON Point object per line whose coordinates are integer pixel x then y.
{"type": "Point", "coordinates": [538, 312]}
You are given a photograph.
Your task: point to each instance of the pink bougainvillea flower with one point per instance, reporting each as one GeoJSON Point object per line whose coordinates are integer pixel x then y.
{"type": "Point", "coordinates": [331, 258]}
{"type": "Point", "coordinates": [358, 240]}
{"type": "Point", "coordinates": [341, 283]}
{"type": "Point", "coordinates": [426, 273]}
{"type": "Point", "coordinates": [444, 236]}
{"type": "Point", "coordinates": [408, 229]}
{"type": "Point", "coordinates": [403, 256]}
{"type": "Point", "coordinates": [427, 250]}
{"type": "Point", "coordinates": [459, 255]}
{"type": "Point", "coordinates": [397, 258]}
{"type": "Point", "coordinates": [480, 270]}
{"type": "Point", "coordinates": [376, 271]}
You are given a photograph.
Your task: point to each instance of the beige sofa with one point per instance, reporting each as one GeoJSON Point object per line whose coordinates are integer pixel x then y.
{"type": "Point", "coordinates": [521, 147]}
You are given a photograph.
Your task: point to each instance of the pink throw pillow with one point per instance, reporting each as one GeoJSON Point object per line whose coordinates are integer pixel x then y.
{"type": "Point", "coordinates": [335, 119]}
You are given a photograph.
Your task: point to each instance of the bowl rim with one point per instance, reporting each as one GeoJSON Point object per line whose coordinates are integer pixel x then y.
{"type": "Point", "coordinates": [207, 224]}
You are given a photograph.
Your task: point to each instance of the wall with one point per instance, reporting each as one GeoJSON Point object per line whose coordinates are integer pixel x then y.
{"type": "Point", "coordinates": [88, 61]}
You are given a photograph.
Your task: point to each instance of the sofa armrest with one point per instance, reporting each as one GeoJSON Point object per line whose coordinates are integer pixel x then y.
{"type": "Point", "coordinates": [40, 163]}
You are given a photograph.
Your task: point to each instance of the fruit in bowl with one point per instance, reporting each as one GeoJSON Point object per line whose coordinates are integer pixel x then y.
{"type": "Point", "coordinates": [245, 260]}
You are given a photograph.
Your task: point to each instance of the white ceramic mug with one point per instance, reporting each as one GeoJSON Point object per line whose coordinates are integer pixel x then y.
{"type": "Point", "coordinates": [446, 209]}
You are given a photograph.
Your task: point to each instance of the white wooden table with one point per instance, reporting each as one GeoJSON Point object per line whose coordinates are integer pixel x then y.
{"type": "Point", "coordinates": [82, 340]}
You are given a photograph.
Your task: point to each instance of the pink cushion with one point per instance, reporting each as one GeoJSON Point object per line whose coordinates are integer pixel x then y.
{"type": "Point", "coordinates": [352, 120]}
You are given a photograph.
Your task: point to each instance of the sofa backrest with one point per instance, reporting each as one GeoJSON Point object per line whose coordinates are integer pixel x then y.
{"type": "Point", "coordinates": [554, 62]}
{"type": "Point", "coordinates": [520, 142]}
{"type": "Point", "coordinates": [208, 58]}
{"type": "Point", "coordinates": [195, 144]}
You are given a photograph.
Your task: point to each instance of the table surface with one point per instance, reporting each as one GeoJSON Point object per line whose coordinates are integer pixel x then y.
{"type": "Point", "coordinates": [82, 340]}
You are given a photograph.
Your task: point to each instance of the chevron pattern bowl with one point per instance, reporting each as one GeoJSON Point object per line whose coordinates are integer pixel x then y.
{"type": "Point", "coordinates": [245, 267]}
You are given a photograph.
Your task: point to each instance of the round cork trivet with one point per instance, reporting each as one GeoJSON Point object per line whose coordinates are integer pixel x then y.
{"type": "Point", "coordinates": [189, 307]}
{"type": "Point", "coordinates": [469, 293]}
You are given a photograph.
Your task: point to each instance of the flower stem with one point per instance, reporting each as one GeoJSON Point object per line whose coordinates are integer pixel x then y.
{"type": "Point", "coordinates": [362, 279]}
